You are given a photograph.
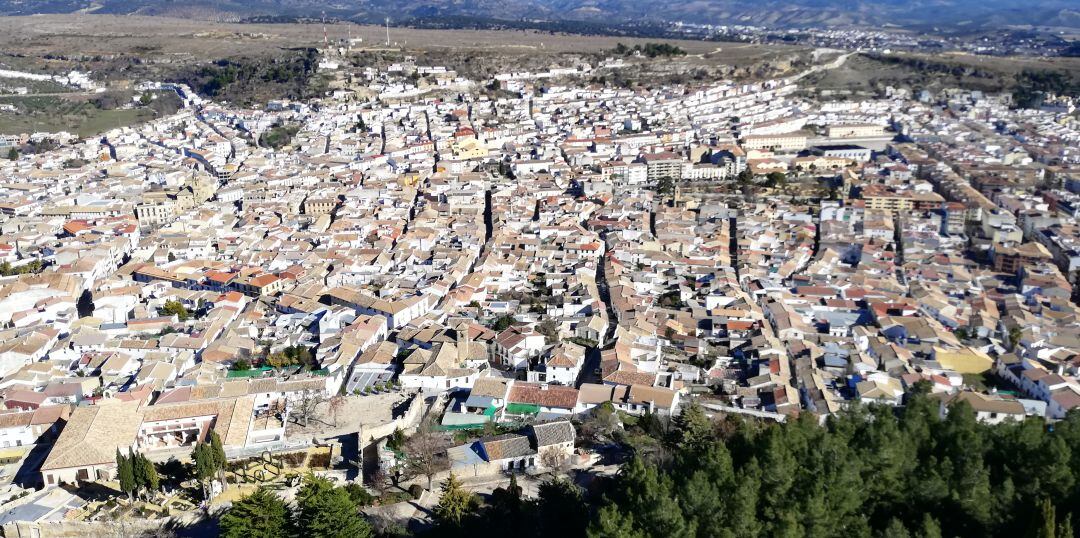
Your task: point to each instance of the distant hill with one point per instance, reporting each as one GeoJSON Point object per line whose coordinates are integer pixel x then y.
{"type": "Point", "coordinates": [942, 14]}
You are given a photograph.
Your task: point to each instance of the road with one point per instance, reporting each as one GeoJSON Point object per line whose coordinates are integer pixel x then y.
{"type": "Point", "coordinates": [838, 62]}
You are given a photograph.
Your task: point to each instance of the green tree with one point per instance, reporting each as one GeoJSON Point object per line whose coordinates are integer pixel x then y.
{"type": "Point", "coordinates": [174, 307]}
{"type": "Point", "coordinates": [1045, 524]}
{"type": "Point", "coordinates": [125, 473]}
{"type": "Point", "coordinates": [692, 430]}
{"type": "Point", "coordinates": [930, 527]}
{"type": "Point", "coordinates": [205, 468]}
{"type": "Point", "coordinates": [613, 523]}
{"type": "Point", "coordinates": [454, 503]}
{"type": "Point", "coordinates": [217, 450]}
{"type": "Point", "coordinates": [561, 510]}
{"type": "Point", "coordinates": [665, 186]}
{"type": "Point", "coordinates": [259, 515]}
{"type": "Point", "coordinates": [326, 511]}
{"type": "Point", "coordinates": [146, 476]}
{"type": "Point", "coordinates": [503, 322]}
{"type": "Point", "coordinates": [13, 154]}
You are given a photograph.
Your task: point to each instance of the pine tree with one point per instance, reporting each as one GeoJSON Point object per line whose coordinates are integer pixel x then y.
{"type": "Point", "coordinates": [896, 529]}
{"type": "Point", "coordinates": [930, 527]}
{"type": "Point", "coordinates": [327, 511]}
{"type": "Point", "coordinates": [613, 523]}
{"type": "Point", "coordinates": [1045, 523]}
{"type": "Point", "coordinates": [691, 428]}
{"type": "Point", "coordinates": [125, 473]}
{"type": "Point", "coordinates": [454, 503]}
{"type": "Point", "coordinates": [561, 510]}
{"type": "Point", "coordinates": [1065, 528]}
{"type": "Point", "coordinates": [259, 515]}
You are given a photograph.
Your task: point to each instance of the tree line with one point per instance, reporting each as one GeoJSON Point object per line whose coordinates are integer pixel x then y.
{"type": "Point", "coordinates": [869, 471]}
{"type": "Point", "coordinates": [321, 510]}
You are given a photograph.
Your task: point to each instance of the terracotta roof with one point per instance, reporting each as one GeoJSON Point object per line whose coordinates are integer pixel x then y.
{"type": "Point", "coordinates": [543, 395]}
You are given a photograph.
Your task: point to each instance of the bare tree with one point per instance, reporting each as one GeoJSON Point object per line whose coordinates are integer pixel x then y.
{"type": "Point", "coordinates": [337, 404]}
{"type": "Point", "coordinates": [425, 452]}
{"type": "Point", "coordinates": [554, 459]}
{"type": "Point", "coordinates": [380, 480]}
{"type": "Point", "coordinates": [305, 407]}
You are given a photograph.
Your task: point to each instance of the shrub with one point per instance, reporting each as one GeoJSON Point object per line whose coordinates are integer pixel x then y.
{"type": "Point", "coordinates": [416, 490]}
{"type": "Point", "coordinates": [319, 461]}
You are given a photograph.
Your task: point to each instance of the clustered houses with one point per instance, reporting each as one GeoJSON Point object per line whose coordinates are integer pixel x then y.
{"type": "Point", "coordinates": [533, 255]}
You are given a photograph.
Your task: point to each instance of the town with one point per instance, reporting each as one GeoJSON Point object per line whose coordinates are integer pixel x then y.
{"type": "Point", "coordinates": [422, 286]}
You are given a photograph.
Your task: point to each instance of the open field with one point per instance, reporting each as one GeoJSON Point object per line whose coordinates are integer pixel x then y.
{"type": "Point", "coordinates": [865, 75]}
{"type": "Point", "coordinates": [165, 39]}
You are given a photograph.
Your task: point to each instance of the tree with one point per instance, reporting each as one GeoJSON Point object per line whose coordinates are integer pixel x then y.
{"type": "Point", "coordinates": [337, 404]}
{"type": "Point", "coordinates": [328, 511]}
{"type": "Point", "coordinates": [425, 452]}
{"type": "Point", "coordinates": [775, 179]}
{"type": "Point", "coordinates": [396, 440]}
{"type": "Point", "coordinates": [691, 429]}
{"type": "Point", "coordinates": [549, 329]}
{"type": "Point", "coordinates": [205, 467]}
{"type": "Point", "coordinates": [125, 473]}
{"type": "Point", "coordinates": [561, 510]}
{"type": "Point", "coordinates": [146, 476]}
{"type": "Point", "coordinates": [454, 503]}
{"type": "Point", "coordinates": [173, 307]}
{"type": "Point", "coordinates": [503, 322]}
{"type": "Point", "coordinates": [665, 186]}
{"type": "Point", "coordinates": [1015, 334]}
{"type": "Point", "coordinates": [259, 515]}
{"type": "Point", "coordinates": [306, 407]}
{"type": "Point", "coordinates": [1045, 524]}
{"type": "Point", "coordinates": [218, 458]}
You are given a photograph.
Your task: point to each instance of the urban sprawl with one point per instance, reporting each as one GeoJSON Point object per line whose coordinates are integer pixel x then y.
{"type": "Point", "coordinates": [493, 261]}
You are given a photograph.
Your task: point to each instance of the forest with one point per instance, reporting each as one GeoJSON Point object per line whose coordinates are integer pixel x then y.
{"type": "Point", "coordinates": [869, 471]}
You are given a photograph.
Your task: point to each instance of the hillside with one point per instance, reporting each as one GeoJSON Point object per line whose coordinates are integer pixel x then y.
{"type": "Point", "coordinates": [967, 14]}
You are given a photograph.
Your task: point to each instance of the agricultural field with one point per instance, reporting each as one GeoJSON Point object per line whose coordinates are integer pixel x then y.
{"type": "Point", "coordinates": [76, 113]}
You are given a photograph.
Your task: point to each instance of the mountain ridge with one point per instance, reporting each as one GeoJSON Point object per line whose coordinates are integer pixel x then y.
{"type": "Point", "coordinates": [923, 14]}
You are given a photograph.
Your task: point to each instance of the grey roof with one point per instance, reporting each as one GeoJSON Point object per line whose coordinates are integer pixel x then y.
{"type": "Point", "coordinates": [478, 401]}
{"type": "Point", "coordinates": [553, 433]}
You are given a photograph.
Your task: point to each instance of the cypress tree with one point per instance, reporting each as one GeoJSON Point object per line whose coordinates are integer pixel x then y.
{"type": "Point", "coordinates": [146, 475]}
{"type": "Point", "coordinates": [125, 473]}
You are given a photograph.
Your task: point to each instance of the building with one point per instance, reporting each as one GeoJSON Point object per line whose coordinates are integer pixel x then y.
{"type": "Point", "coordinates": [846, 151]}
{"type": "Point", "coordinates": [776, 142]}
{"type": "Point", "coordinates": [661, 165]}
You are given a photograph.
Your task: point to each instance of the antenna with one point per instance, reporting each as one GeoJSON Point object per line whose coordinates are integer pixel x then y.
{"type": "Point", "coordinates": [326, 42]}
{"type": "Point", "coordinates": [388, 31]}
